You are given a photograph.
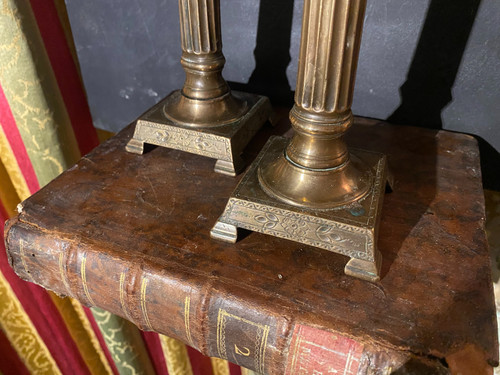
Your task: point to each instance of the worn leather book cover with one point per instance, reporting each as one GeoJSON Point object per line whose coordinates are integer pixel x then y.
{"type": "Point", "coordinates": [130, 234]}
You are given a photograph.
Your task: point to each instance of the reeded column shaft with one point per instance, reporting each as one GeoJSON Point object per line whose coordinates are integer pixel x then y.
{"type": "Point", "coordinates": [330, 41]}
{"type": "Point", "coordinates": [201, 42]}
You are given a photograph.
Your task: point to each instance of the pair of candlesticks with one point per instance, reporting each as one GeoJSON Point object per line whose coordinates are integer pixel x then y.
{"type": "Point", "coordinates": [309, 189]}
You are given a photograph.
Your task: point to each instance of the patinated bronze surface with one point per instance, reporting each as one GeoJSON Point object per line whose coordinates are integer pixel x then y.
{"type": "Point", "coordinates": [205, 117]}
{"type": "Point", "coordinates": [313, 181]}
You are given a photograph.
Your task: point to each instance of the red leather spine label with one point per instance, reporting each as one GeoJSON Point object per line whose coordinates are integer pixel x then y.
{"type": "Point", "coordinates": [316, 352]}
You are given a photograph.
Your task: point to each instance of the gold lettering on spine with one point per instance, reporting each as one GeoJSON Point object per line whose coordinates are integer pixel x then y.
{"type": "Point", "coordinates": [144, 286]}
{"type": "Point", "coordinates": [245, 352]}
{"type": "Point", "coordinates": [296, 349]}
{"type": "Point", "coordinates": [262, 349]}
{"type": "Point", "coordinates": [348, 363]}
{"type": "Point", "coordinates": [63, 273]}
{"type": "Point", "coordinates": [23, 259]}
{"type": "Point", "coordinates": [221, 334]}
{"type": "Point", "coordinates": [187, 303]}
{"type": "Point", "coordinates": [84, 279]}
{"type": "Point", "coordinates": [260, 339]}
{"type": "Point", "coordinates": [122, 296]}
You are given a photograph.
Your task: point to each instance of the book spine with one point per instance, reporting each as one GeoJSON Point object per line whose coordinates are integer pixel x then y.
{"type": "Point", "coordinates": [244, 326]}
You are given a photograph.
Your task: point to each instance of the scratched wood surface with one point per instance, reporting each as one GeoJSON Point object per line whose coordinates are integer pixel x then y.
{"type": "Point", "coordinates": [151, 215]}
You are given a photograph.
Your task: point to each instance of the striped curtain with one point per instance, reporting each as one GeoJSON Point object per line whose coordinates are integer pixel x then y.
{"type": "Point", "coordinates": [45, 127]}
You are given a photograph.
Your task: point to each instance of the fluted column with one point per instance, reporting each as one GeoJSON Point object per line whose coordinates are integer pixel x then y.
{"type": "Point", "coordinates": [205, 99]}
{"type": "Point", "coordinates": [204, 117]}
{"type": "Point", "coordinates": [312, 190]}
{"type": "Point", "coordinates": [200, 26]}
{"type": "Point", "coordinates": [330, 41]}
{"type": "Point", "coordinates": [201, 42]}
{"type": "Point", "coordinates": [316, 170]}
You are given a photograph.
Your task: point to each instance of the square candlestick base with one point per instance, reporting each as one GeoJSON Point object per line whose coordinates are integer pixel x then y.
{"type": "Point", "coordinates": [224, 143]}
{"type": "Point", "coordinates": [350, 230]}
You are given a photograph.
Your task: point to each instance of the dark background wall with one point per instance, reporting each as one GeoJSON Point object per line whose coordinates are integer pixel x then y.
{"type": "Point", "coordinates": [431, 63]}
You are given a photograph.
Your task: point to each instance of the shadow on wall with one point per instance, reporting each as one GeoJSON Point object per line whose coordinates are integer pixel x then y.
{"type": "Point", "coordinates": [272, 53]}
{"type": "Point", "coordinates": [433, 71]}
{"type": "Point", "coordinates": [435, 63]}
{"type": "Point", "coordinates": [431, 76]}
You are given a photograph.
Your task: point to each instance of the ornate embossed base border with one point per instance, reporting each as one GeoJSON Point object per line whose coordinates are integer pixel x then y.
{"type": "Point", "coordinates": [224, 143]}
{"type": "Point", "coordinates": [350, 230]}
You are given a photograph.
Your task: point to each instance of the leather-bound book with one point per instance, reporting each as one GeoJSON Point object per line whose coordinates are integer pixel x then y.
{"type": "Point", "coordinates": [131, 234]}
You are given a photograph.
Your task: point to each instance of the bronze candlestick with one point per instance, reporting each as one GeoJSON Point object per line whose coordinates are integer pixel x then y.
{"type": "Point", "coordinates": [205, 117]}
{"type": "Point", "coordinates": [312, 189]}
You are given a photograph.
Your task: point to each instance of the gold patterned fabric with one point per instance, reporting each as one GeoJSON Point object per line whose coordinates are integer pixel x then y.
{"type": "Point", "coordinates": [124, 342]}
{"type": "Point", "coordinates": [176, 355]}
{"type": "Point", "coordinates": [22, 334]}
{"type": "Point", "coordinates": [41, 135]}
{"type": "Point", "coordinates": [26, 75]}
{"type": "Point", "coordinates": [37, 142]}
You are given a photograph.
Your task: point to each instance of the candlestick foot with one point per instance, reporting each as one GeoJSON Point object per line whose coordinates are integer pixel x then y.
{"type": "Point", "coordinates": [364, 269]}
{"type": "Point", "coordinates": [224, 232]}
{"type": "Point", "coordinates": [350, 229]}
{"type": "Point", "coordinates": [230, 168]}
{"type": "Point", "coordinates": [223, 142]}
{"type": "Point", "coordinates": [135, 146]}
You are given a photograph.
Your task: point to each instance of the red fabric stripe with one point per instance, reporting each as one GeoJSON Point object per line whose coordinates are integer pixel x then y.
{"type": "Point", "coordinates": [10, 364]}
{"type": "Point", "coordinates": [8, 124]}
{"type": "Point", "coordinates": [200, 364]}
{"type": "Point", "coordinates": [3, 215]}
{"type": "Point", "coordinates": [66, 74]}
{"type": "Point", "coordinates": [45, 317]}
{"type": "Point", "coordinates": [234, 369]}
{"type": "Point", "coordinates": [98, 333]}
{"type": "Point", "coordinates": [153, 346]}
